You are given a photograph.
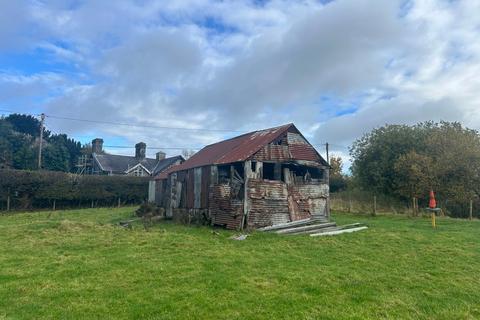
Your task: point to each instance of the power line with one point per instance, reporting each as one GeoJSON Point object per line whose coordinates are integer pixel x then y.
{"type": "Point", "coordinates": [149, 126]}
{"type": "Point", "coordinates": [141, 125]}
{"type": "Point", "coordinates": [124, 124]}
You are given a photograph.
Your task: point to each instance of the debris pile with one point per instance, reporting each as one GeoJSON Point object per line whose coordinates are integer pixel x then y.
{"type": "Point", "coordinates": [313, 227]}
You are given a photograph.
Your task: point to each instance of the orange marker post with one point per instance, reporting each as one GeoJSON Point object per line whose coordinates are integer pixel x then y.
{"type": "Point", "coordinates": [432, 204]}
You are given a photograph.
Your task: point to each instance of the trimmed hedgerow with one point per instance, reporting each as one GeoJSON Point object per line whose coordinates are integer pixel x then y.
{"type": "Point", "coordinates": [39, 189]}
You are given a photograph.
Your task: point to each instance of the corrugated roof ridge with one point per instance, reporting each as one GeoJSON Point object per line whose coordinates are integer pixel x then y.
{"type": "Point", "coordinates": [283, 127]}
{"type": "Point", "coordinates": [246, 134]}
{"type": "Point", "coordinates": [185, 165]}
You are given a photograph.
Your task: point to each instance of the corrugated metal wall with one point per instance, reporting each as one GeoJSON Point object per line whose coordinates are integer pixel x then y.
{"type": "Point", "coordinates": [268, 202]}
{"type": "Point", "coordinates": [225, 211]}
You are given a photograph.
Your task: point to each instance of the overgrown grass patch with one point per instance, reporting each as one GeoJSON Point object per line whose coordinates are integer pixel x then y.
{"type": "Point", "coordinates": [81, 264]}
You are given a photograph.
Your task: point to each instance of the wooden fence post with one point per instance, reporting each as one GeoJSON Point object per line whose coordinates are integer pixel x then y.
{"type": "Point", "coordinates": [471, 210]}
{"type": "Point", "coordinates": [349, 205]}
{"type": "Point", "coordinates": [8, 202]}
{"type": "Point", "coordinates": [91, 204]}
{"type": "Point", "coordinates": [118, 204]}
{"type": "Point", "coordinates": [54, 204]}
{"type": "Point", "coordinates": [413, 207]}
{"type": "Point", "coordinates": [374, 205]}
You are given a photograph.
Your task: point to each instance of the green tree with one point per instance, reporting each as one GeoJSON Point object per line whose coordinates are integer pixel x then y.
{"type": "Point", "coordinates": [26, 124]}
{"type": "Point", "coordinates": [414, 176]}
{"type": "Point", "coordinates": [56, 157]}
{"type": "Point", "coordinates": [338, 181]}
{"type": "Point", "coordinates": [19, 142]}
{"type": "Point", "coordinates": [406, 161]}
{"type": "Point", "coordinates": [374, 155]}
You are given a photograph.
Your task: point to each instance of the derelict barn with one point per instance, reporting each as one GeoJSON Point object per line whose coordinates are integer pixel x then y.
{"type": "Point", "coordinates": [258, 179]}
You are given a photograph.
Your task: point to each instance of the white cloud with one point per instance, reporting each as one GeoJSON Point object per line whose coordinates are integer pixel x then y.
{"type": "Point", "coordinates": [337, 70]}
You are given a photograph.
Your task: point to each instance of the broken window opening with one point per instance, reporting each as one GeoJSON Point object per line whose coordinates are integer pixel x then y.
{"type": "Point", "coordinates": [272, 171]}
{"type": "Point", "coordinates": [223, 174]}
{"type": "Point", "coordinates": [281, 141]}
{"type": "Point", "coordinates": [233, 175]}
{"type": "Point", "coordinates": [253, 166]}
{"type": "Point", "coordinates": [238, 170]}
{"type": "Point", "coordinates": [268, 171]}
{"type": "Point", "coordinates": [304, 174]}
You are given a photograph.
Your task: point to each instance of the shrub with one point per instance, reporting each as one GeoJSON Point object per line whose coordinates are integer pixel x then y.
{"type": "Point", "coordinates": [149, 209]}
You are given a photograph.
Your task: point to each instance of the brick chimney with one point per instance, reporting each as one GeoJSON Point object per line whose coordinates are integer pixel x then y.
{"type": "Point", "coordinates": [140, 150]}
{"type": "Point", "coordinates": [97, 145]}
{"type": "Point", "coordinates": [161, 155]}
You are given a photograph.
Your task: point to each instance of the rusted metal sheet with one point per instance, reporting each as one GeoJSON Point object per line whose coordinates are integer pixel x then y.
{"type": "Point", "coordinates": [273, 202]}
{"type": "Point", "coordinates": [197, 187]}
{"type": "Point", "coordinates": [160, 192]}
{"type": "Point", "coordinates": [175, 191]}
{"type": "Point", "coordinates": [224, 210]}
{"type": "Point", "coordinates": [292, 147]}
{"type": "Point", "coordinates": [206, 176]}
{"type": "Point", "coordinates": [295, 138]}
{"type": "Point", "coordinates": [272, 152]}
{"type": "Point", "coordinates": [267, 189]}
{"type": "Point", "coordinates": [190, 195]}
{"type": "Point", "coordinates": [243, 147]}
{"type": "Point", "coordinates": [303, 152]}
{"type": "Point", "coordinates": [232, 150]}
{"type": "Point", "coordinates": [300, 149]}
{"type": "Point", "coordinates": [265, 212]}
{"type": "Point", "coordinates": [268, 203]}
{"type": "Point", "coordinates": [307, 200]}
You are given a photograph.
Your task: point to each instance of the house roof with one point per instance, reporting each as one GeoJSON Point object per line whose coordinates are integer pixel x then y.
{"type": "Point", "coordinates": [236, 149]}
{"type": "Point", "coordinates": [121, 164]}
{"type": "Point", "coordinates": [166, 163]}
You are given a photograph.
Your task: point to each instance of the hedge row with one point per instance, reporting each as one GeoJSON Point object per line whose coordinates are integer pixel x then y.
{"type": "Point", "coordinates": [39, 189]}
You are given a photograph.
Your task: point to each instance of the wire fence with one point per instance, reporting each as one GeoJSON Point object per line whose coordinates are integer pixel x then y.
{"type": "Point", "coordinates": [364, 202]}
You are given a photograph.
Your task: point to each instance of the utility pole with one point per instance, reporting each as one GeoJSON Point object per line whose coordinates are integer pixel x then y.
{"type": "Point", "coordinates": [326, 147]}
{"type": "Point", "coordinates": [42, 120]}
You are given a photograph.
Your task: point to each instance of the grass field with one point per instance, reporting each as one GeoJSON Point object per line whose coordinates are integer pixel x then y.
{"type": "Point", "coordinates": [79, 264]}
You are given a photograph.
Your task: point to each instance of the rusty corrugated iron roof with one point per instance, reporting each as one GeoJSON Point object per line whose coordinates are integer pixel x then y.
{"type": "Point", "coordinates": [164, 174]}
{"type": "Point", "coordinates": [236, 149]}
{"type": "Point", "coordinates": [241, 148]}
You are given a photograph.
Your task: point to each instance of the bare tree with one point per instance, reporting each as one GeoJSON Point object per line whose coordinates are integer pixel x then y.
{"type": "Point", "coordinates": [187, 153]}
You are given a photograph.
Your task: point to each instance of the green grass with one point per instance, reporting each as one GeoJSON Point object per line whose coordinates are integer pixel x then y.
{"type": "Point", "coordinates": [79, 264]}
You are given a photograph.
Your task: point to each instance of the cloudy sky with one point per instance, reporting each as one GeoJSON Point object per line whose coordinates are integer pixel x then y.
{"type": "Point", "coordinates": [336, 69]}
